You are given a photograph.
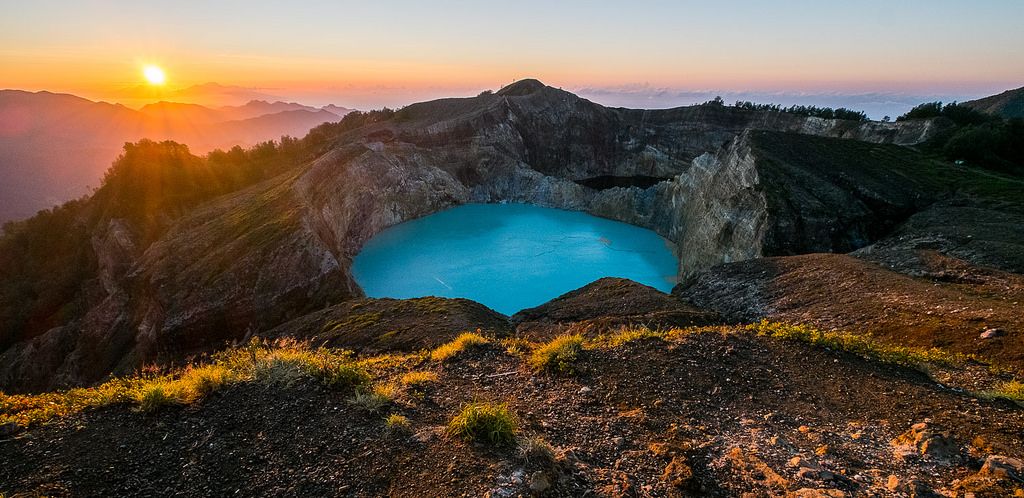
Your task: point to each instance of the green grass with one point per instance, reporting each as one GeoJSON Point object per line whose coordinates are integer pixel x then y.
{"type": "Point", "coordinates": [486, 423]}
{"type": "Point", "coordinates": [463, 342]}
{"type": "Point", "coordinates": [559, 355]}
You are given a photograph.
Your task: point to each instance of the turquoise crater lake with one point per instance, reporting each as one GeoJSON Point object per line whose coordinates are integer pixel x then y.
{"type": "Point", "coordinates": [509, 256]}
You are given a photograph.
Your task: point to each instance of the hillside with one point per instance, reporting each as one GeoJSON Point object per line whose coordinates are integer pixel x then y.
{"type": "Point", "coordinates": [846, 324]}
{"type": "Point", "coordinates": [712, 412]}
{"type": "Point", "coordinates": [55, 146]}
{"type": "Point", "coordinates": [734, 184]}
{"type": "Point", "coordinates": [1009, 104]}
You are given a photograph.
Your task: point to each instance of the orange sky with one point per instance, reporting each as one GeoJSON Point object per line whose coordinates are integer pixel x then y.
{"type": "Point", "coordinates": [391, 53]}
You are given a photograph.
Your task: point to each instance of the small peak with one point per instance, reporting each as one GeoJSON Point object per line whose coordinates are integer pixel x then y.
{"type": "Point", "coordinates": [522, 87]}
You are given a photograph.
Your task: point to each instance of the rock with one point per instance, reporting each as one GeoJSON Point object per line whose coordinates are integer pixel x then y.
{"type": "Point", "coordinates": [992, 333]}
{"type": "Point", "coordinates": [925, 441]}
{"type": "Point", "coordinates": [10, 429]}
{"type": "Point", "coordinates": [539, 482]}
{"type": "Point", "coordinates": [677, 473]}
{"type": "Point", "coordinates": [585, 390]}
{"type": "Point", "coordinates": [893, 483]}
{"type": "Point", "coordinates": [1003, 467]}
{"type": "Point", "coordinates": [818, 493]}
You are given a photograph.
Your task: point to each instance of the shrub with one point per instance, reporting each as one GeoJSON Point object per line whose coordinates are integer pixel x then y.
{"type": "Point", "coordinates": [559, 355]}
{"type": "Point", "coordinates": [467, 340]}
{"type": "Point", "coordinates": [397, 423]}
{"type": "Point", "coordinates": [486, 423]}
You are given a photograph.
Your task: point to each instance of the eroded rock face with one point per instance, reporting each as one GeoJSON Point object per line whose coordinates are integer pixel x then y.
{"type": "Point", "coordinates": [248, 261]}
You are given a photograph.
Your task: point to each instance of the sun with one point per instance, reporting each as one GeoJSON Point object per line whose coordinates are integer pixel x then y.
{"type": "Point", "coordinates": [154, 75]}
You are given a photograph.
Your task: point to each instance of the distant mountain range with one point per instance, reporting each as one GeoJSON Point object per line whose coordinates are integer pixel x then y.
{"type": "Point", "coordinates": [1009, 104]}
{"type": "Point", "coordinates": [53, 147]}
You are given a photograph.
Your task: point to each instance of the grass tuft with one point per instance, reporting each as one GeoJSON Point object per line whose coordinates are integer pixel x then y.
{"type": "Point", "coordinates": [463, 342]}
{"type": "Point", "coordinates": [626, 335]}
{"type": "Point", "coordinates": [485, 423]}
{"type": "Point", "coordinates": [374, 400]}
{"type": "Point", "coordinates": [397, 423]}
{"type": "Point", "coordinates": [559, 355]}
{"type": "Point", "coordinates": [418, 380]}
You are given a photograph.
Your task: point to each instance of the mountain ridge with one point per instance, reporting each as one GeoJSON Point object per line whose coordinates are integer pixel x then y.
{"type": "Point", "coordinates": [40, 132]}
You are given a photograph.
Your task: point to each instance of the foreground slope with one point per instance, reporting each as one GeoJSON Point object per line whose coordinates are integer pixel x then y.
{"type": "Point", "coordinates": [714, 412]}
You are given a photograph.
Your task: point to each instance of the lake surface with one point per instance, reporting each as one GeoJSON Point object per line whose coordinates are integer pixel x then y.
{"type": "Point", "coordinates": [509, 256]}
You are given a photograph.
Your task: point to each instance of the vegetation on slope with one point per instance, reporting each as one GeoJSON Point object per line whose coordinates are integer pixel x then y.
{"type": "Point", "coordinates": [980, 139]}
{"type": "Point", "coordinates": [676, 411]}
{"type": "Point", "coordinates": [277, 364]}
{"type": "Point", "coordinates": [285, 362]}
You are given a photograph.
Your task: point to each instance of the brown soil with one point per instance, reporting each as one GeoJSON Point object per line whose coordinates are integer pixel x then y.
{"type": "Point", "coordinates": [708, 413]}
{"type": "Point", "coordinates": [379, 325]}
{"type": "Point", "coordinates": [948, 308]}
{"type": "Point", "coordinates": [611, 302]}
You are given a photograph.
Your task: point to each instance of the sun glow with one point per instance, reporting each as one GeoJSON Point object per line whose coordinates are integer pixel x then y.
{"type": "Point", "coordinates": [154, 75]}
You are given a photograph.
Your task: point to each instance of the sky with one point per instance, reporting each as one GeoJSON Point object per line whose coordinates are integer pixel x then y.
{"type": "Point", "coordinates": [367, 54]}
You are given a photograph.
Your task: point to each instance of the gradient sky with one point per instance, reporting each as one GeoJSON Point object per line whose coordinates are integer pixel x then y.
{"type": "Point", "coordinates": [372, 53]}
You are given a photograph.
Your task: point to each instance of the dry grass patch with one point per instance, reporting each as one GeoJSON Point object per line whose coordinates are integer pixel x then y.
{"type": "Point", "coordinates": [1012, 390]}
{"type": "Point", "coordinates": [397, 423]}
{"type": "Point", "coordinates": [860, 344]}
{"type": "Point", "coordinates": [559, 355]}
{"type": "Point", "coordinates": [463, 342]}
{"type": "Point", "coordinates": [418, 380]}
{"type": "Point", "coordinates": [278, 363]}
{"type": "Point", "coordinates": [534, 449]}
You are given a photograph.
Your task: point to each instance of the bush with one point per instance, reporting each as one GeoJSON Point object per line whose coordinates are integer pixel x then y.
{"type": "Point", "coordinates": [559, 355]}
{"type": "Point", "coordinates": [467, 340]}
{"type": "Point", "coordinates": [485, 423]}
